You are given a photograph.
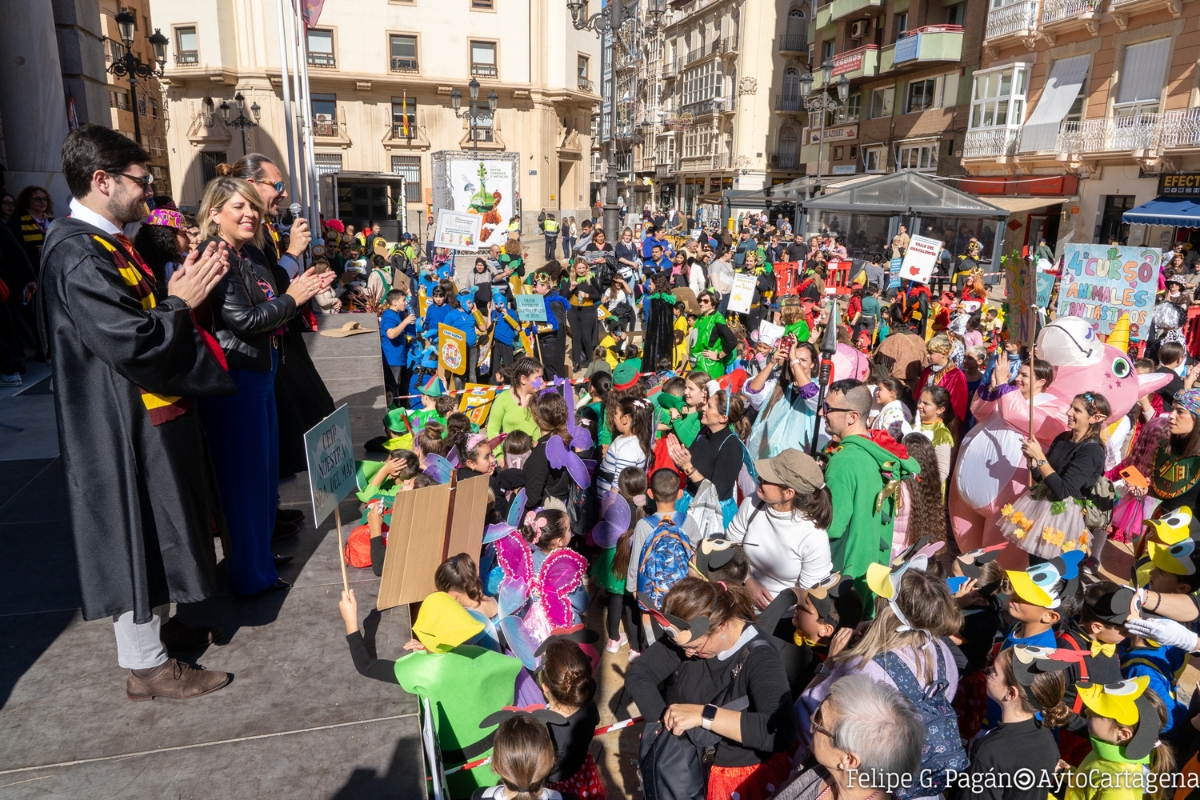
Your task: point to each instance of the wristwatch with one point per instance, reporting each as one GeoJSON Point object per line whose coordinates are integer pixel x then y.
{"type": "Point", "coordinates": [707, 716]}
{"type": "Point", "coordinates": [1038, 464]}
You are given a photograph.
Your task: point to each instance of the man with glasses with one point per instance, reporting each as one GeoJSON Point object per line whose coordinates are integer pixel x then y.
{"type": "Point", "coordinates": [127, 371]}
{"type": "Point", "coordinates": [858, 474]}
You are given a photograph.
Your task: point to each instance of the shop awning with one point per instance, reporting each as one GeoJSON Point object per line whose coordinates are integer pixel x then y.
{"type": "Point", "coordinates": [1018, 204]}
{"type": "Point", "coordinates": [1178, 212]}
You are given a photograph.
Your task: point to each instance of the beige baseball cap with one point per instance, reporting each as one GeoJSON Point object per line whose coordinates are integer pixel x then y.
{"type": "Point", "coordinates": [793, 469]}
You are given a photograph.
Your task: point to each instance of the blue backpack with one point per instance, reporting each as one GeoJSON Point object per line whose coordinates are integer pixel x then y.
{"type": "Point", "coordinates": [665, 558]}
{"type": "Point", "coordinates": [943, 750]}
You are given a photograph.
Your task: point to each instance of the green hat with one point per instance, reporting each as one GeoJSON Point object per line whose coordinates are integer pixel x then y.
{"type": "Point", "coordinates": [397, 421]}
{"type": "Point", "coordinates": [433, 388]}
{"type": "Point", "coordinates": [626, 374]}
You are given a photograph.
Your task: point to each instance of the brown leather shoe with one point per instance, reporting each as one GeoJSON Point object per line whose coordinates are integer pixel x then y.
{"type": "Point", "coordinates": [175, 680]}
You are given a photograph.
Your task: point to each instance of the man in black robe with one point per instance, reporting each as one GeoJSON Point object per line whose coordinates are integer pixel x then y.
{"type": "Point", "coordinates": [142, 502]}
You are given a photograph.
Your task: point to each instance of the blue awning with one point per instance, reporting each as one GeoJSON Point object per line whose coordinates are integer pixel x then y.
{"type": "Point", "coordinates": [1179, 212]}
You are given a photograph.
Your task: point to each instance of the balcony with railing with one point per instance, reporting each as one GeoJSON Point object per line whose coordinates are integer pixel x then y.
{"type": "Point", "coordinates": [483, 70]}
{"type": "Point", "coordinates": [586, 86]}
{"type": "Point", "coordinates": [187, 58]}
{"type": "Point", "coordinates": [789, 104]}
{"type": "Point", "coordinates": [1121, 9]}
{"type": "Point", "coordinates": [1013, 20]}
{"type": "Point", "coordinates": [325, 127]}
{"type": "Point", "coordinates": [1119, 134]}
{"type": "Point", "coordinates": [406, 65]}
{"type": "Point", "coordinates": [669, 70]}
{"type": "Point", "coordinates": [840, 9]}
{"type": "Point", "coordinates": [322, 60]}
{"type": "Point", "coordinates": [991, 143]}
{"type": "Point", "coordinates": [728, 46]}
{"type": "Point", "coordinates": [1063, 15]}
{"type": "Point", "coordinates": [1181, 128]}
{"type": "Point", "coordinates": [789, 161]}
{"type": "Point", "coordinates": [857, 64]}
{"type": "Point", "coordinates": [703, 163]}
{"type": "Point", "coordinates": [793, 43]}
{"type": "Point", "coordinates": [921, 47]}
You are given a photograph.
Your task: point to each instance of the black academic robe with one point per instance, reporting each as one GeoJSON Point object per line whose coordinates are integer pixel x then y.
{"type": "Point", "coordinates": [660, 333]}
{"type": "Point", "coordinates": [301, 398]}
{"type": "Point", "coordinates": [142, 499]}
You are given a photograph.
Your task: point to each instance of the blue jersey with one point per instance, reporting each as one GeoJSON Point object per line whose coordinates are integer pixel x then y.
{"type": "Point", "coordinates": [503, 332]}
{"type": "Point", "coordinates": [395, 351]}
{"type": "Point", "coordinates": [1044, 639]}
{"type": "Point", "coordinates": [433, 315]}
{"type": "Point", "coordinates": [1158, 664]}
{"type": "Point", "coordinates": [465, 322]}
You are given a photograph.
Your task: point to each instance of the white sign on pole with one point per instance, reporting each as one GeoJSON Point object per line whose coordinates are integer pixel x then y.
{"type": "Point", "coordinates": [920, 259]}
{"type": "Point", "coordinates": [456, 230]}
{"type": "Point", "coordinates": [331, 472]}
{"type": "Point", "coordinates": [742, 293]}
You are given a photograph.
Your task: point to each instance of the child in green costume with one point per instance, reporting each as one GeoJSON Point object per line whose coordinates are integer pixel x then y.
{"type": "Point", "coordinates": [464, 683]}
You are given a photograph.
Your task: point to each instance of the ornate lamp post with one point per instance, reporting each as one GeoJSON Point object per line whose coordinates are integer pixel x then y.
{"type": "Point", "coordinates": [822, 102]}
{"type": "Point", "coordinates": [133, 67]}
{"type": "Point", "coordinates": [606, 21]}
{"type": "Point", "coordinates": [474, 112]}
{"type": "Point", "coordinates": [242, 122]}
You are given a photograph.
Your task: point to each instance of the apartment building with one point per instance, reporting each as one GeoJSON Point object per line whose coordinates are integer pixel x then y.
{"type": "Point", "coordinates": [382, 74]}
{"type": "Point", "coordinates": [715, 73]}
{"type": "Point", "coordinates": [145, 97]}
{"type": "Point", "coordinates": [909, 65]}
{"type": "Point", "coordinates": [1083, 110]}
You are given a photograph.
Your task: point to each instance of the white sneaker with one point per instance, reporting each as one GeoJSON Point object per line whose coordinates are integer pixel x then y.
{"type": "Point", "coordinates": [633, 655]}
{"type": "Point", "coordinates": [615, 645]}
{"type": "Point", "coordinates": [10, 380]}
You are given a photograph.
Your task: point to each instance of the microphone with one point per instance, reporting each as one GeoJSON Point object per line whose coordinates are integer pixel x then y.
{"type": "Point", "coordinates": [295, 209]}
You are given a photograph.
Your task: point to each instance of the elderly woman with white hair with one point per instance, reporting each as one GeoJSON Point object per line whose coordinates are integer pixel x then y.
{"type": "Point", "coordinates": [865, 734]}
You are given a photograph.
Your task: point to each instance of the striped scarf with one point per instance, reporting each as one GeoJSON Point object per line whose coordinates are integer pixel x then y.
{"type": "Point", "coordinates": [140, 282]}
{"type": "Point", "coordinates": [33, 232]}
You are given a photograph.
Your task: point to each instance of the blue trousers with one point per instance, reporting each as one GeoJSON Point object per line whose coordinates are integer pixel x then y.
{"type": "Point", "coordinates": [243, 437]}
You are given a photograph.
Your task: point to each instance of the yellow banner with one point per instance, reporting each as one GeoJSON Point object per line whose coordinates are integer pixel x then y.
{"type": "Point", "coordinates": [476, 402]}
{"type": "Point", "coordinates": [452, 349]}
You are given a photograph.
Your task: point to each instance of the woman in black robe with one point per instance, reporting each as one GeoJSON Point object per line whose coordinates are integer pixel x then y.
{"type": "Point", "coordinates": [660, 332]}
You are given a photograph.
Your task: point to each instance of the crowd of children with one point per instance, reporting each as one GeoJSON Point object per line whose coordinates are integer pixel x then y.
{"type": "Point", "coordinates": [666, 518]}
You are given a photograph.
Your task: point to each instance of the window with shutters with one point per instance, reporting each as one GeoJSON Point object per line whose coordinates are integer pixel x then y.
{"type": "Point", "coordinates": [403, 53]}
{"type": "Point", "coordinates": [320, 49]}
{"type": "Point", "coordinates": [410, 168]}
{"type": "Point", "coordinates": [1140, 85]}
{"type": "Point", "coordinates": [328, 163]}
{"type": "Point", "coordinates": [404, 117]}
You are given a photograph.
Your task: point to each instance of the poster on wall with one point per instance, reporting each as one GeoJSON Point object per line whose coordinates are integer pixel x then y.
{"type": "Point", "coordinates": [484, 187]}
{"type": "Point", "coordinates": [1101, 282]}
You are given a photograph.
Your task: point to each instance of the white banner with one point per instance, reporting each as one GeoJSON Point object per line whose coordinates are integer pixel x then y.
{"type": "Point", "coordinates": [484, 188]}
{"type": "Point", "coordinates": [456, 231]}
{"type": "Point", "coordinates": [920, 258]}
{"type": "Point", "coordinates": [742, 293]}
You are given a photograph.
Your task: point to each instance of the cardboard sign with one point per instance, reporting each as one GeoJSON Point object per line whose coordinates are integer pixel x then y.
{"type": "Point", "coordinates": [530, 308]}
{"type": "Point", "coordinates": [1045, 287]}
{"type": "Point", "coordinates": [1101, 282]}
{"type": "Point", "coordinates": [685, 295]}
{"type": "Point", "coordinates": [769, 333]}
{"type": "Point", "coordinates": [331, 473]}
{"type": "Point", "coordinates": [1022, 288]}
{"type": "Point", "coordinates": [742, 293]}
{"type": "Point", "coordinates": [428, 526]}
{"type": "Point", "coordinates": [920, 259]}
{"type": "Point", "coordinates": [894, 274]}
{"type": "Point", "coordinates": [457, 231]}
{"type": "Point", "coordinates": [476, 402]}
{"type": "Point", "coordinates": [452, 349]}
{"type": "Point", "coordinates": [422, 304]}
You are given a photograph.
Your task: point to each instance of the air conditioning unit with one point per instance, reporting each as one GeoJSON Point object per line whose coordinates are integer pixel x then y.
{"type": "Point", "coordinates": [860, 28]}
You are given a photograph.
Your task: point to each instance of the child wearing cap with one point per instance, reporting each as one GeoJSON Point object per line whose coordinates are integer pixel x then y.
{"type": "Point", "coordinates": [1096, 634]}
{"type": "Point", "coordinates": [783, 526]}
{"type": "Point", "coordinates": [430, 393]}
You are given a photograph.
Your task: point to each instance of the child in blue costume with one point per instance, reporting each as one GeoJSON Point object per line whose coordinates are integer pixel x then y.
{"type": "Point", "coordinates": [463, 683]}
{"type": "Point", "coordinates": [436, 312]}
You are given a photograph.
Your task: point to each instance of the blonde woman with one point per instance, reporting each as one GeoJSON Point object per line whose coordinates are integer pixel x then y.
{"type": "Point", "coordinates": [248, 319]}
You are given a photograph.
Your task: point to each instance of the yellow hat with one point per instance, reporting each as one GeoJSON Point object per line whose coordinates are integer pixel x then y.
{"type": "Point", "coordinates": [1028, 591]}
{"type": "Point", "coordinates": [1040, 584]}
{"type": "Point", "coordinates": [442, 624]}
{"type": "Point", "coordinates": [1119, 338]}
{"type": "Point", "coordinates": [1117, 701]}
{"type": "Point", "coordinates": [1177, 559]}
{"type": "Point", "coordinates": [1173, 528]}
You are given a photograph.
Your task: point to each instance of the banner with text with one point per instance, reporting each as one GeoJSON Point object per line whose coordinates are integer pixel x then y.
{"type": "Point", "coordinates": [920, 259]}
{"type": "Point", "coordinates": [1101, 282]}
{"type": "Point", "coordinates": [331, 473]}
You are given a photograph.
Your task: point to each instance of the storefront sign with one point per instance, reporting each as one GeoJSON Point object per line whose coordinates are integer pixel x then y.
{"type": "Point", "coordinates": [843, 169]}
{"type": "Point", "coordinates": [907, 48]}
{"type": "Point", "coordinates": [1179, 184]}
{"type": "Point", "coordinates": [1101, 282]}
{"type": "Point", "coordinates": [842, 133]}
{"type": "Point", "coordinates": [848, 63]}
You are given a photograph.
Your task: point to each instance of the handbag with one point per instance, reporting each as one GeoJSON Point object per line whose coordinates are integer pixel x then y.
{"type": "Point", "coordinates": [1098, 510]}
{"type": "Point", "coordinates": [676, 767]}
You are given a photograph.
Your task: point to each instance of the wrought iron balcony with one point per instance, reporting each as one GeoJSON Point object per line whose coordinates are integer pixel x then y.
{"type": "Point", "coordinates": [1181, 128]}
{"type": "Point", "coordinates": [187, 58]}
{"type": "Point", "coordinates": [323, 60]}
{"type": "Point", "coordinates": [991, 143]}
{"type": "Point", "coordinates": [1110, 134]}
{"type": "Point", "coordinates": [1012, 20]}
{"type": "Point", "coordinates": [669, 70]}
{"type": "Point", "coordinates": [1064, 11]}
{"type": "Point", "coordinates": [483, 70]}
{"type": "Point", "coordinates": [325, 127]}
{"type": "Point", "coordinates": [793, 43]}
{"type": "Point", "coordinates": [404, 65]}
{"type": "Point", "coordinates": [789, 103]}
{"type": "Point", "coordinates": [785, 160]}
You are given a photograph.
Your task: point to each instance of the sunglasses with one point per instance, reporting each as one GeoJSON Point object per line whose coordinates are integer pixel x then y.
{"type": "Point", "coordinates": [141, 180]}
{"type": "Point", "coordinates": [828, 409]}
{"type": "Point", "coordinates": [277, 185]}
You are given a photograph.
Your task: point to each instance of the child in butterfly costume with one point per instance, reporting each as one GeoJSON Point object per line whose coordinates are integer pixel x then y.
{"type": "Point", "coordinates": [547, 578]}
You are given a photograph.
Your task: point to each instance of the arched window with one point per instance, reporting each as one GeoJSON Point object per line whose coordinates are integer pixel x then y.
{"type": "Point", "coordinates": [797, 22]}
{"type": "Point", "coordinates": [791, 84]}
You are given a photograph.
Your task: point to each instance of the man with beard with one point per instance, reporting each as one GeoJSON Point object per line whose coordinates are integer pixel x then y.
{"type": "Point", "coordinates": [301, 398]}
{"type": "Point", "coordinates": [141, 497]}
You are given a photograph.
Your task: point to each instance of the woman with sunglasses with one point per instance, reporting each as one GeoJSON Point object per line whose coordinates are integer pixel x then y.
{"type": "Point", "coordinates": [715, 343]}
{"type": "Point", "coordinates": [720, 662]}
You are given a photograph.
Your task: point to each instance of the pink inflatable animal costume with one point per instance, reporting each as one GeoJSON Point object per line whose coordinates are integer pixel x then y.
{"type": "Point", "coordinates": [992, 470]}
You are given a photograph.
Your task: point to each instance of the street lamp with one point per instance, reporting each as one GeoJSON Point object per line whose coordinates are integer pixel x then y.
{"type": "Point", "coordinates": [129, 65]}
{"type": "Point", "coordinates": [608, 21]}
{"type": "Point", "coordinates": [822, 102]}
{"type": "Point", "coordinates": [474, 113]}
{"type": "Point", "coordinates": [241, 122]}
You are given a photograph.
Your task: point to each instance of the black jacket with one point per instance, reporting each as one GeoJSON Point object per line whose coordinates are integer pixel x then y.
{"type": "Point", "coordinates": [242, 317]}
